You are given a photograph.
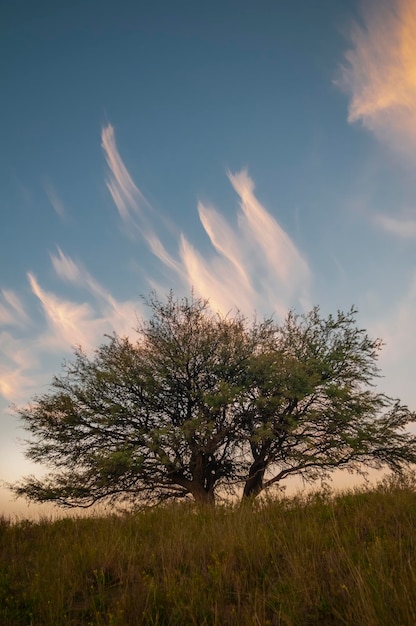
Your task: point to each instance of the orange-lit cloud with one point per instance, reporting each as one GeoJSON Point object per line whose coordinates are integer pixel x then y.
{"type": "Point", "coordinates": [133, 207]}
{"type": "Point", "coordinates": [18, 359]}
{"type": "Point", "coordinates": [224, 240]}
{"type": "Point", "coordinates": [109, 313]}
{"type": "Point", "coordinates": [380, 72]}
{"type": "Point", "coordinates": [253, 265]}
{"type": "Point", "coordinates": [65, 324]}
{"type": "Point", "coordinates": [15, 383]}
{"type": "Point", "coordinates": [124, 192]}
{"type": "Point", "coordinates": [283, 264]}
{"type": "Point", "coordinates": [69, 323]}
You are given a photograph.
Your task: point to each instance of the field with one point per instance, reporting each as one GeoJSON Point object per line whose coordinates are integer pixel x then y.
{"type": "Point", "coordinates": [347, 558]}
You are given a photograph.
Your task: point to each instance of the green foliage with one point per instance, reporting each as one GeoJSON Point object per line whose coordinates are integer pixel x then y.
{"type": "Point", "coordinates": [203, 403]}
{"type": "Point", "coordinates": [309, 560]}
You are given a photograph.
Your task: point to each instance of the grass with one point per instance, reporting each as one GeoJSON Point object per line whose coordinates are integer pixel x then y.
{"type": "Point", "coordinates": [319, 559]}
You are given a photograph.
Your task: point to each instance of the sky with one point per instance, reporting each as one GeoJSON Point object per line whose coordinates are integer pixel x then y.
{"type": "Point", "coordinates": [262, 154]}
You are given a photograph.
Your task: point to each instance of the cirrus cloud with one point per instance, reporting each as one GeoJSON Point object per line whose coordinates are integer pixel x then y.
{"type": "Point", "coordinates": [253, 264]}
{"type": "Point", "coordinates": [379, 72]}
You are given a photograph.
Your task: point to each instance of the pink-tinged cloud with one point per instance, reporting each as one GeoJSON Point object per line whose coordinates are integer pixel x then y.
{"type": "Point", "coordinates": [254, 264]}
{"type": "Point", "coordinates": [66, 268]}
{"type": "Point", "coordinates": [126, 195]}
{"type": "Point", "coordinates": [65, 324]}
{"type": "Point", "coordinates": [17, 383]}
{"type": "Point", "coordinates": [158, 249]}
{"type": "Point", "coordinates": [215, 280]}
{"type": "Point", "coordinates": [69, 323]}
{"type": "Point", "coordinates": [224, 240]}
{"type": "Point", "coordinates": [14, 383]}
{"type": "Point", "coordinates": [272, 241]}
{"type": "Point", "coordinates": [18, 360]}
{"type": "Point", "coordinates": [109, 314]}
{"type": "Point", "coordinates": [379, 72]}
{"type": "Point", "coordinates": [133, 207]}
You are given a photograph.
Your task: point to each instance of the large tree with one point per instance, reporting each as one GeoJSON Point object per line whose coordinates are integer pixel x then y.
{"type": "Point", "coordinates": [145, 421]}
{"type": "Point", "coordinates": [312, 405]}
{"type": "Point", "coordinates": [203, 402]}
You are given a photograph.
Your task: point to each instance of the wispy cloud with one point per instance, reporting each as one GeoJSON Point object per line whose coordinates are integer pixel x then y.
{"type": "Point", "coordinates": [17, 363]}
{"type": "Point", "coordinates": [65, 324]}
{"type": "Point", "coordinates": [133, 207]}
{"type": "Point", "coordinates": [128, 199]}
{"type": "Point", "coordinates": [274, 248]}
{"type": "Point", "coordinates": [254, 264]}
{"type": "Point", "coordinates": [403, 227]}
{"type": "Point", "coordinates": [15, 383]}
{"type": "Point", "coordinates": [380, 71]}
{"type": "Point", "coordinates": [54, 199]}
{"type": "Point", "coordinates": [69, 323]}
{"type": "Point", "coordinates": [66, 268]}
{"type": "Point", "coordinates": [74, 272]}
{"type": "Point", "coordinates": [214, 279]}
{"type": "Point", "coordinates": [12, 312]}
{"type": "Point", "coordinates": [109, 312]}
{"type": "Point", "coordinates": [224, 240]}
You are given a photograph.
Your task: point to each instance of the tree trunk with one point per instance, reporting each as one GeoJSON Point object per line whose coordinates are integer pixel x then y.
{"type": "Point", "coordinates": [203, 496]}
{"type": "Point", "coordinates": [202, 485]}
{"type": "Point", "coordinates": [254, 482]}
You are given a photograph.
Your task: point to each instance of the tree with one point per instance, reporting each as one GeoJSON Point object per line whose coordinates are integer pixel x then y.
{"type": "Point", "coordinates": [312, 407]}
{"type": "Point", "coordinates": [148, 421]}
{"type": "Point", "coordinates": [204, 402]}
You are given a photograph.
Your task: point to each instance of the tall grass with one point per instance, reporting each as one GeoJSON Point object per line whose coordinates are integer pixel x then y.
{"type": "Point", "coordinates": [342, 559]}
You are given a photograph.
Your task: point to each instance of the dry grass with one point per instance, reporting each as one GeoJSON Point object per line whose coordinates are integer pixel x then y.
{"type": "Point", "coordinates": [342, 559]}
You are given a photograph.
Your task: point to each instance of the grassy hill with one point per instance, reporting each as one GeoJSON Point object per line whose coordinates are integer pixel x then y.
{"type": "Point", "coordinates": [320, 559]}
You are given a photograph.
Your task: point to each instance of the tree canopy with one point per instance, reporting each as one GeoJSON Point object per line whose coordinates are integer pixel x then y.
{"type": "Point", "coordinates": [203, 403]}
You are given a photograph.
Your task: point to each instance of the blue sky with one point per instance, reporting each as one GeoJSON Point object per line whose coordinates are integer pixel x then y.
{"type": "Point", "coordinates": [263, 153]}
